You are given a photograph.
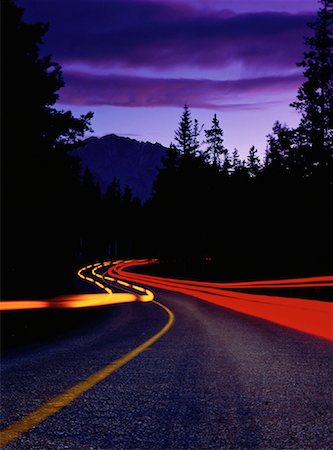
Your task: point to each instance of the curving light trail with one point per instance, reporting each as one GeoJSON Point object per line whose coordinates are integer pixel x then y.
{"type": "Point", "coordinates": [91, 273]}
{"type": "Point", "coordinates": [309, 316]}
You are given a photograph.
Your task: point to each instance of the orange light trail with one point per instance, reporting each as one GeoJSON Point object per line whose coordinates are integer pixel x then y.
{"type": "Point", "coordinates": [88, 273]}
{"type": "Point", "coordinates": [17, 305]}
{"type": "Point", "coordinates": [309, 316]}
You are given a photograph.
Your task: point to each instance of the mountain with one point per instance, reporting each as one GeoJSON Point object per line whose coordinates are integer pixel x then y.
{"type": "Point", "coordinates": [134, 163]}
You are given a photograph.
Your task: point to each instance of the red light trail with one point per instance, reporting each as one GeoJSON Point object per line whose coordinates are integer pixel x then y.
{"type": "Point", "coordinates": [309, 316]}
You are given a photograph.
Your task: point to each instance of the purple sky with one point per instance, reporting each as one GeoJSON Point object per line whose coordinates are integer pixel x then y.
{"type": "Point", "coordinates": [135, 63]}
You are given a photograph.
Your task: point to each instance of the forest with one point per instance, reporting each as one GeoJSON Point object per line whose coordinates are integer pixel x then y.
{"type": "Point", "coordinates": [211, 215]}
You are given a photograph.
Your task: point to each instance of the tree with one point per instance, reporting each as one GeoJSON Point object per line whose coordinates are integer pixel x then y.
{"type": "Point", "coordinates": [227, 164]}
{"type": "Point", "coordinates": [236, 161]}
{"type": "Point", "coordinates": [214, 140]}
{"type": "Point", "coordinates": [253, 163]}
{"type": "Point", "coordinates": [167, 176]}
{"type": "Point", "coordinates": [279, 147]}
{"type": "Point", "coordinates": [40, 179]}
{"type": "Point", "coordinates": [184, 133]}
{"type": "Point", "coordinates": [120, 207]}
{"type": "Point", "coordinates": [238, 167]}
{"type": "Point", "coordinates": [30, 88]}
{"type": "Point", "coordinates": [315, 95]}
{"type": "Point", "coordinates": [195, 137]}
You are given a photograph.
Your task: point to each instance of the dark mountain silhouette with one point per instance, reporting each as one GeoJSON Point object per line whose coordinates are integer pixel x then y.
{"type": "Point", "coordinates": [134, 163]}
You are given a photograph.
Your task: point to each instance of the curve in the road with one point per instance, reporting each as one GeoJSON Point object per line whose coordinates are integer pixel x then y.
{"type": "Point", "coordinates": [90, 273]}
{"type": "Point", "coordinates": [218, 379]}
{"type": "Point", "coordinates": [309, 316]}
{"type": "Point", "coordinates": [57, 403]}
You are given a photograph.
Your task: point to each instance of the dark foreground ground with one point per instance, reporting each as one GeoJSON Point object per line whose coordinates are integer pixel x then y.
{"type": "Point", "coordinates": [217, 380]}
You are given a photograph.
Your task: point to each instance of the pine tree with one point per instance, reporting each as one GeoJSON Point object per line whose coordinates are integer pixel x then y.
{"type": "Point", "coordinates": [253, 163]}
{"type": "Point", "coordinates": [167, 174]}
{"type": "Point", "coordinates": [184, 133]}
{"type": "Point", "coordinates": [279, 147]}
{"type": "Point", "coordinates": [195, 137]}
{"type": "Point", "coordinates": [214, 140]}
{"type": "Point", "coordinates": [40, 179]}
{"type": "Point", "coordinates": [227, 163]}
{"type": "Point", "coordinates": [113, 192]}
{"type": "Point", "coordinates": [236, 161]}
{"type": "Point", "coordinates": [315, 95]}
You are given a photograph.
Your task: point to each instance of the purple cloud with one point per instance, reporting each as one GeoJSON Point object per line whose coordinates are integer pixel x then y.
{"type": "Point", "coordinates": [167, 34]}
{"type": "Point", "coordinates": [130, 91]}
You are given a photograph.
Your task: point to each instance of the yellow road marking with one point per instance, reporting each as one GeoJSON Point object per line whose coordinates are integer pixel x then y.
{"type": "Point", "coordinates": [109, 278]}
{"type": "Point", "coordinates": [86, 300]}
{"type": "Point", "coordinates": [123, 283]}
{"type": "Point", "coordinates": [138, 288]}
{"type": "Point", "coordinates": [57, 403]}
{"type": "Point", "coordinates": [99, 284]}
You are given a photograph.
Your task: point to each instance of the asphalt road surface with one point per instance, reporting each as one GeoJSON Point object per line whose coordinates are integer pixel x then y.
{"type": "Point", "coordinates": [217, 379]}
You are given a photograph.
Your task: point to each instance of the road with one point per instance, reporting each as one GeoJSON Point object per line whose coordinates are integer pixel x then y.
{"type": "Point", "coordinates": [217, 379]}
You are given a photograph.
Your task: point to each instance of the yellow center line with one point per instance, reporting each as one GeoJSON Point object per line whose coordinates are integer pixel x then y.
{"type": "Point", "coordinates": [60, 401]}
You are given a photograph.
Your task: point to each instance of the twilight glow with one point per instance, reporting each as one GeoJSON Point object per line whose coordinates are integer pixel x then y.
{"type": "Point", "coordinates": [135, 63]}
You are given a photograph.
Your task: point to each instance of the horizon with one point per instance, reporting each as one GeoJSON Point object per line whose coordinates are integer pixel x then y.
{"type": "Point", "coordinates": [136, 63]}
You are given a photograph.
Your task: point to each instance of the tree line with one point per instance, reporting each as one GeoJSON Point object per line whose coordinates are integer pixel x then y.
{"type": "Point", "coordinates": [53, 216]}
{"type": "Point", "coordinates": [211, 213]}
{"type": "Point", "coordinates": [223, 216]}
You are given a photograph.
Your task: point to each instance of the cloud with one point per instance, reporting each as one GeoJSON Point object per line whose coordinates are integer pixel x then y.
{"type": "Point", "coordinates": [177, 47]}
{"type": "Point", "coordinates": [163, 35]}
{"type": "Point", "coordinates": [130, 91]}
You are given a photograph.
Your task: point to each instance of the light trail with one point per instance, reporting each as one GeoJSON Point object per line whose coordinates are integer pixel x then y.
{"type": "Point", "coordinates": [22, 304]}
{"type": "Point", "coordinates": [321, 281]}
{"type": "Point", "coordinates": [309, 316]}
{"type": "Point", "coordinates": [56, 404]}
{"type": "Point", "coordinates": [88, 273]}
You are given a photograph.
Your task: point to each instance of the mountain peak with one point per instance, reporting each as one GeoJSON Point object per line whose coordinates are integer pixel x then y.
{"type": "Point", "coordinates": [133, 162]}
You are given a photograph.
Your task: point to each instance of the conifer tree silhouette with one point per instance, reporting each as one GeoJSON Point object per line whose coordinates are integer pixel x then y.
{"type": "Point", "coordinates": [40, 179]}
{"type": "Point", "coordinates": [315, 95]}
{"type": "Point", "coordinates": [184, 133]}
{"type": "Point", "coordinates": [214, 140]}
